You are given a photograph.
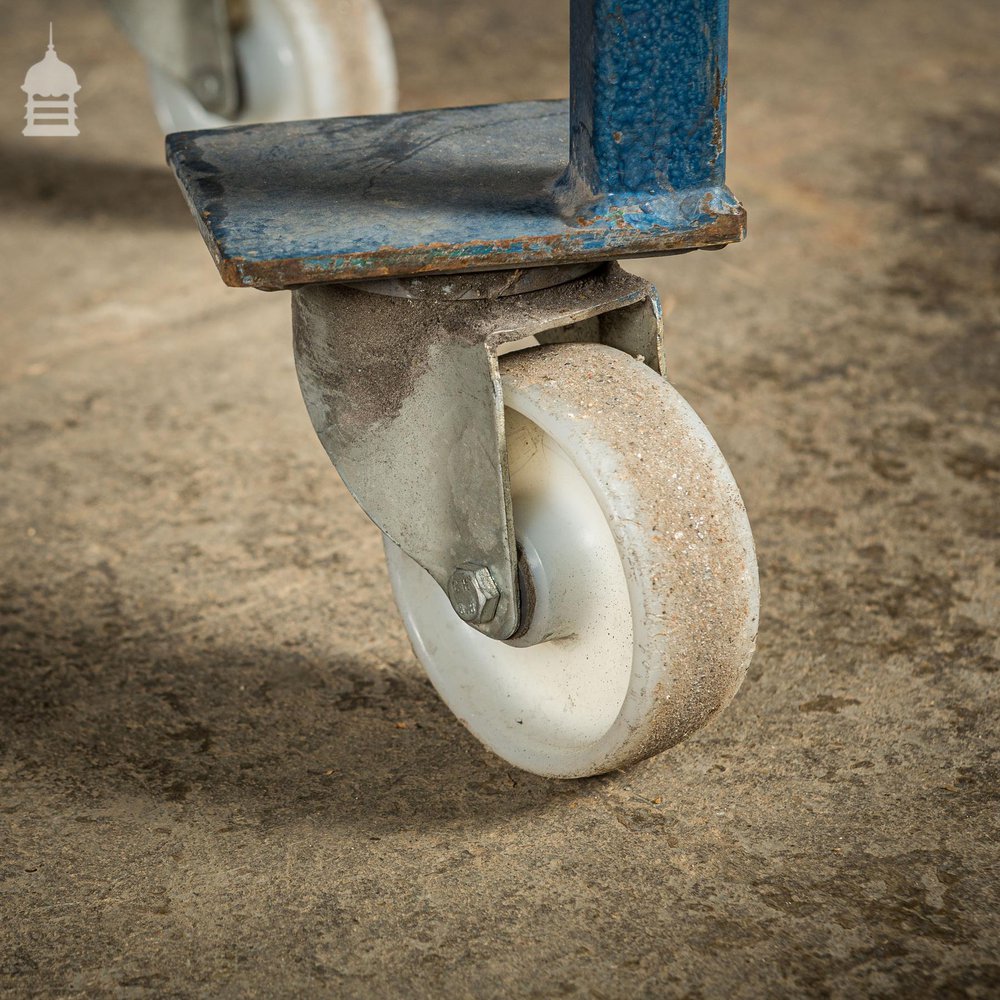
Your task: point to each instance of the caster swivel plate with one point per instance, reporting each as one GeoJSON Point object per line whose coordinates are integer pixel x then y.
{"type": "Point", "coordinates": [566, 544]}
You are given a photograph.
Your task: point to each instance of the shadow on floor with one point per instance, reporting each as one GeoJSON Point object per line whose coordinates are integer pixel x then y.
{"type": "Point", "coordinates": [53, 184]}
{"type": "Point", "coordinates": [94, 708]}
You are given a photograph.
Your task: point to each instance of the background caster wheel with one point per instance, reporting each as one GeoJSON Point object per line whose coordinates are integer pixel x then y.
{"type": "Point", "coordinates": [297, 59]}
{"type": "Point", "coordinates": [643, 564]}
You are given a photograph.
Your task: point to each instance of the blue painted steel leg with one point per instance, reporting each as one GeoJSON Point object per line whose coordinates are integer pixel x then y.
{"type": "Point", "coordinates": [647, 96]}
{"type": "Point", "coordinates": [486, 188]}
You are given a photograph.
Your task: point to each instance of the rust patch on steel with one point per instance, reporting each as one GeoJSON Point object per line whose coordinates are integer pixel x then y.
{"type": "Point", "coordinates": [479, 255]}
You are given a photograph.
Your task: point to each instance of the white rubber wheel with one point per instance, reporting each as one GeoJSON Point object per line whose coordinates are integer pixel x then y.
{"type": "Point", "coordinates": [297, 59]}
{"type": "Point", "coordinates": [643, 564]}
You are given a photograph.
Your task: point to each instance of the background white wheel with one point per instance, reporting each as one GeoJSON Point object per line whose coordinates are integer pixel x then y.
{"type": "Point", "coordinates": [643, 562]}
{"type": "Point", "coordinates": [297, 59]}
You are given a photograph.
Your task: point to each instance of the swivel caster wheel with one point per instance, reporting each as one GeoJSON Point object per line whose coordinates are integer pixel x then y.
{"type": "Point", "coordinates": [295, 59]}
{"type": "Point", "coordinates": [638, 552]}
{"type": "Point", "coordinates": [566, 544]}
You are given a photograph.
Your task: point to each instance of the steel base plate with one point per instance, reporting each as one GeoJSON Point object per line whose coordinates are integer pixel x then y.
{"type": "Point", "coordinates": [444, 191]}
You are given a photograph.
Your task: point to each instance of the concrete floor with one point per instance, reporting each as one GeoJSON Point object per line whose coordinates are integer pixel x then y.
{"type": "Point", "coordinates": [222, 772]}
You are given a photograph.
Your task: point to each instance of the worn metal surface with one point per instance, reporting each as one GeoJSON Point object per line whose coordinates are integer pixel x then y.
{"type": "Point", "coordinates": [189, 39]}
{"type": "Point", "coordinates": [482, 285]}
{"type": "Point", "coordinates": [483, 188]}
{"type": "Point", "coordinates": [460, 189]}
{"type": "Point", "coordinates": [647, 98]}
{"type": "Point", "coordinates": [473, 593]}
{"type": "Point", "coordinates": [405, 396]}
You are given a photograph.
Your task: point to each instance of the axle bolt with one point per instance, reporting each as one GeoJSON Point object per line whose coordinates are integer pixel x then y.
{"type": "Point", "coordinates": [473, 594]}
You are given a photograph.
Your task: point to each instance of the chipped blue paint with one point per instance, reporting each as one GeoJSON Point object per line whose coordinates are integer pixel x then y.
{"type": "Point", "coordinates": [648, 95]}
{"type": "Point", "coordinates": [482, 188]}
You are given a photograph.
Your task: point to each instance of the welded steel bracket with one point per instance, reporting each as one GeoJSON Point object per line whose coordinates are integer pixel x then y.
{"type": "Point", "coordinates": [403, 388]}
{"type": "Point", "coordinates": [632, 165]}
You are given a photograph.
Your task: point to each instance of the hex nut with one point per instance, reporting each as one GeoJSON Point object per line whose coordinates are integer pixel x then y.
{"type": "Point", "coordinates": [473, 594]}
{"type": "Point", "coordinates": [207, 86]}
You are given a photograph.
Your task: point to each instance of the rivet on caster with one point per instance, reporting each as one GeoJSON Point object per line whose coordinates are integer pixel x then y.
{"type": "Point", "coordinates": [566, 544]}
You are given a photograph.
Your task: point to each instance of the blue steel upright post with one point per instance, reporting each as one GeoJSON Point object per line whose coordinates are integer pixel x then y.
{"type": "Point", "coordinates": [647, 96]}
